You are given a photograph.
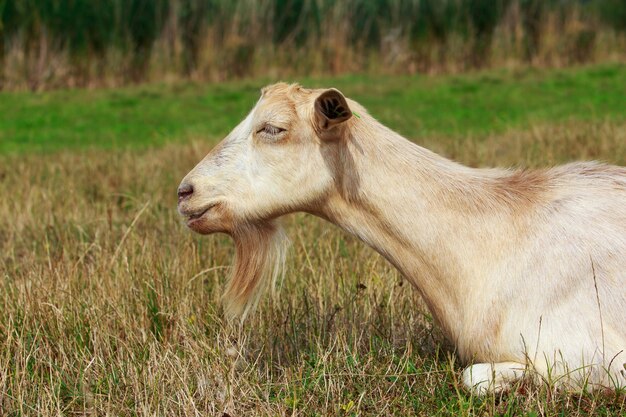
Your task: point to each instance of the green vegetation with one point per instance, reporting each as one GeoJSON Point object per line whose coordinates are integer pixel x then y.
{"type": "Point", "coordinates": [51, 43]}
{"type": "Point", "coordinates": [418, 107]}
{"type": "Point", "coordinates": [111, 306]}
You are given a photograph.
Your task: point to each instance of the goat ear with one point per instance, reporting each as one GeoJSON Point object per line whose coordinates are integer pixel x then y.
{"type": "Point", "coordinates": [331, 109]}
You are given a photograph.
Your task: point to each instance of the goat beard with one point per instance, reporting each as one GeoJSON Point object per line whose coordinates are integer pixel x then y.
{"type": "Point", "coordinates": [260, 251]}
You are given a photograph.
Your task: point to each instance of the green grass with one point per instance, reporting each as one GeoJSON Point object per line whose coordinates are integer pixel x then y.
{"type": "Point", "coordinates": [109, 305]}
{"type": "Point", "coordinates": [417, 107]}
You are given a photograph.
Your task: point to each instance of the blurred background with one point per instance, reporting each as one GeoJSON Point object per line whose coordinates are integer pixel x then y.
{"type": "Point", "coordinates": [85, 43]}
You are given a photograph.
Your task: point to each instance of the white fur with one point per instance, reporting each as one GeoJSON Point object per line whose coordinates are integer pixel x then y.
{"type": "Point", "coordinates": [522, 270]}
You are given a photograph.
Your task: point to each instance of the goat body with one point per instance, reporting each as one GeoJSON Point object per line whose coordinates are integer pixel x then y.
{"type": "Point", "coordinates": [525, 270]}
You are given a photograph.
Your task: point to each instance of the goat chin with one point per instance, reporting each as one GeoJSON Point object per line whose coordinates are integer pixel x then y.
{"type": "Point", "coordinates": [259, 263]}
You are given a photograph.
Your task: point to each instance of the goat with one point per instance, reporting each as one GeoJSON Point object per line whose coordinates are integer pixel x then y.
{"type": "Point", "coordinates": [524, 270]}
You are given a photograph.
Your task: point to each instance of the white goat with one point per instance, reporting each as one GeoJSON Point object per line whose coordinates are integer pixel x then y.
{"type": "Point", "coordinates": [525, 271]}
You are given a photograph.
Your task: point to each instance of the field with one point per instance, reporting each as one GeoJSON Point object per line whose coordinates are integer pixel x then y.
{"type": "Point", "coordinates": [110, 306]}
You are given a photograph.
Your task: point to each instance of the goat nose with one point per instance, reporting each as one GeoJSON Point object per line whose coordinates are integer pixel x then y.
{"type": "Point", "coordinates": [185, 191]}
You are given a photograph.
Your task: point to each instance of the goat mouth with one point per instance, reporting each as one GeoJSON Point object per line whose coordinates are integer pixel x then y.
{"type": "Point", "coordinates": [191, 218]}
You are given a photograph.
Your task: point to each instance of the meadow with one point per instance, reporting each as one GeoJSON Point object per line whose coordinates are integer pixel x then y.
{"type": "Point", "coordinates": [110, 306]}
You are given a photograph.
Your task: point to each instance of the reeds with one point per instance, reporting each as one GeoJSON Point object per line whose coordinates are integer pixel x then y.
{"type": "Point", "coordinates": [52, 43]}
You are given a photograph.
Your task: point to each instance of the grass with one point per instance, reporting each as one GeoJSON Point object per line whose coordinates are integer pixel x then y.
{"type": "Point", "coordinates": [418, 107]}
{"type": "Point", "coordinates": [52, 43]}
{"type": "Point", "coordinates": [110, 306]}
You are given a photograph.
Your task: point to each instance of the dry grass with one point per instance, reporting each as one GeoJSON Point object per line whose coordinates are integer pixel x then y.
{"type": "Point", "coordinates": [110, 306]}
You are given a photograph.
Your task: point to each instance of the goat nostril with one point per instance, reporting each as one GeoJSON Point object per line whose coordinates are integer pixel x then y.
{"type": "Point", "coordinates": [185, 191]}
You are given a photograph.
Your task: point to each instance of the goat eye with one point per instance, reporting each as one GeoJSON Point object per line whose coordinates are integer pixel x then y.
{"type": "Point", "coordinates": [271, 130]}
